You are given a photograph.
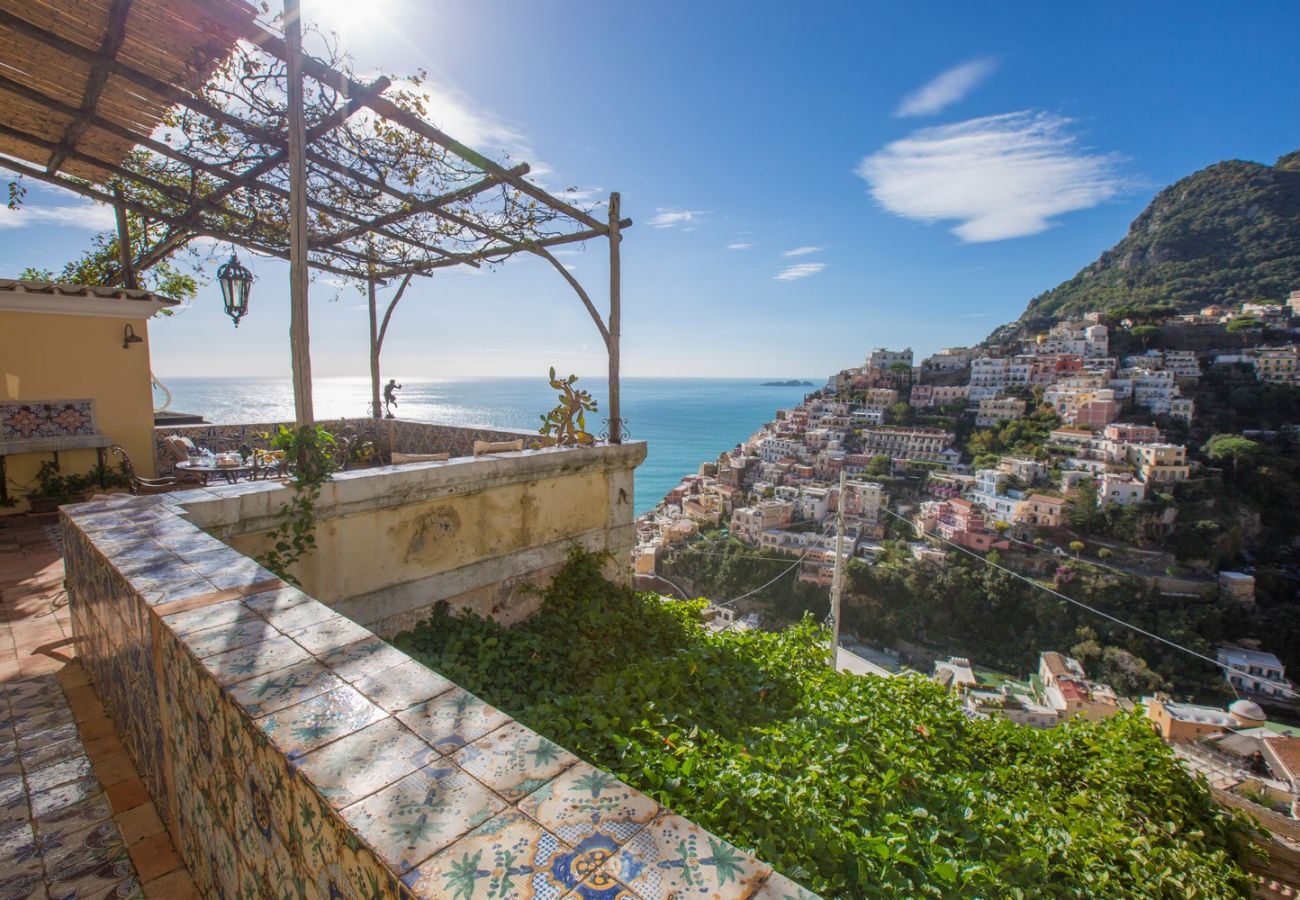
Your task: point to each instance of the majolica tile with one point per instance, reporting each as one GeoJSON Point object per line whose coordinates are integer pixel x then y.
{"type": "Point", "coordinates": [410, 820]}
{"type": "Point", "coordinates": [513, 760]}
{"type": "Point", "coordinates": [12, 787]}
{"type": "Point", "coordinates": [241, 574]}
{"type": "Point", "coordinates": [778, 887]}
{"type": "Point", "coordinates": [255, 659]}
{"type": "Point", "coordinates": [172, 591]}
{"type": "Point", "coordinates": [365, 761]}
{"type": "Point", "coordinates": [48, 804]}
{"type": "Point", "coordinates": [402, 686]}
{"type": "Point", "coordinates": [285, 687]}
{"type": "Point", "coordinates": [584, 801]}
{"type": "Point", "coordinates": [68, 854]}
{"type": "Point", "coordinates": [90, 810]}
{"type": "Point", "coordinates": [299, 616]}
{"type": "Point", "coordinates": [509, 856]}
{"type": "Point", "coordinates": [328, 635]}
{"type": "Point", "coordinates": [363, 659]}
{"type": "Point", "coordinates": [41, 755]}
{"type": "Point", "coordinates": [24, 881]}
{"type": "Point", "coordinates": [228, 612]}
{"type": "Point", "coordinates": [104, 881]}
{"type": "Point", "coordinates": [451, 720]}
{"type": "Point", "coordinates": [297, 730]}
{"type": "Point", "coordinates": [232, 636]}
{"type": "Point", "coordinates": [601, 887]}
{"type": "Point", "coordinates": [57, 773]}
{"type": "Point", "coordinates": [674, 858]}
{"type": "Point", "coordinates": [18, 843]}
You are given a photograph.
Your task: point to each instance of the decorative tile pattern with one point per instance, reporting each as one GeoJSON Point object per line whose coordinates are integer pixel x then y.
{"type": "Point", "coordinates": [26, 421]}
{"type": "Point", "coordinates": [584, 801]}
{"type": "Point", "coordinates": [508, 857]}
{"type": "Point", "coordinates": [297, 730]}
{"type": "Point", "coordinates": [284, 687]}
{"type": "Point", "coordinates": [674, 858]}
{"type": "Point", "coordinates": [229, 612]}
{"type": "Point", "coordinates": [514, 761]}
{"type": "Point", "coordinates": [232, 636]}
{"type": "Point", "coordinates": [328, 635]}
{"type": "Point", "coordinates": [402, 686]}
{"type": "Point", "coordinates": [256, 659]}
{"type": "Point", "coordinates": [451, 720]}
{"type": "Point", "coordinates": [356, 766]}
{"type": "Point", "coordinates": [363, 659]}
{"type": "Point", "coordinates": [427, 810]}
{"type": "Point", "coordinates": [600, 886]}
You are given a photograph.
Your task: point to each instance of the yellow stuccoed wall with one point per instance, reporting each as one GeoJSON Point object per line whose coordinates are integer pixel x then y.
{"type": "Point", "coordinates": [71, 357]}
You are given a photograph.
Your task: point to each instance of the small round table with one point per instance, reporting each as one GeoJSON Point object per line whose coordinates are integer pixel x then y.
{"type": "Point", "coordinates": [207, 470]}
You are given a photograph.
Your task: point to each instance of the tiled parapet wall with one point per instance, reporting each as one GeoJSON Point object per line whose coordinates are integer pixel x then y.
{"type": "Point", "coordinates": [295, 754]}
{"type": "Point", "coordinates": [393, 541]}
{"type": "Point", "coordinates": [402, 435]}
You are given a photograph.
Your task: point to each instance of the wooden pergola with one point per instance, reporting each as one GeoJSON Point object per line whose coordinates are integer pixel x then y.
{"type": "Point", "coordinates": [162, 108]}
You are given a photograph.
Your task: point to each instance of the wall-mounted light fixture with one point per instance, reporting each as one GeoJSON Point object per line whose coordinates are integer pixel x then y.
{"type": "Point", "coordinates": [129, 337]}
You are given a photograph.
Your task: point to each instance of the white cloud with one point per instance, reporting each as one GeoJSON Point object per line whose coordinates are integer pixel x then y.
{"type": "Point", "coordinates": [670, 218]}
{"type": "Point", "coordinates": [945, 89]}
{"type": "Point", "coordinates": [739, 245]}
{"type": "Point", "coordinates": [802, 270]}
{"type": "Point", "coordinates": [801, 251]}
{"type": "Point", "coordinates": [1000, 177]}
{"type": "Point", "coordinates": [88, 215]}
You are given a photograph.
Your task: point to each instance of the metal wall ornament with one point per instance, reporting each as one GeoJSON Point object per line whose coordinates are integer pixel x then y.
{"type": "Point", "coordinates": [235, 283]}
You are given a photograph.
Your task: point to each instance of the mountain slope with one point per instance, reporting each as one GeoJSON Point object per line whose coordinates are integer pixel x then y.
{"type": "Point", "coordinates": [1228, 232]}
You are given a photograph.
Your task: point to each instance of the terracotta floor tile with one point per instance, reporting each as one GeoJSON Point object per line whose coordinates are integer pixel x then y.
{"type": "Point", "coordinates": [127, 795]}
{"type": "Point", "coordinates": [175, 885]}
{"type": "Point", "coordinates": [155, 856]}
{"type": "Point", "coordinates": [139, 823]}
{"type": "Point", "coordinates": [96, 728]}
{"type": "Point", "coordinates": [115, 770]}
{"type": "Point", "coordinates": [104, 748]}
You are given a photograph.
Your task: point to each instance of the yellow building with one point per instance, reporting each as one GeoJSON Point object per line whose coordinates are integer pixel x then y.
{"type": "Point", "coordinates": [1186, 722]}
{"type": "Point", "coordinates": [74, 364]}
{"type": "Point", "coordinates": [1279, 365]}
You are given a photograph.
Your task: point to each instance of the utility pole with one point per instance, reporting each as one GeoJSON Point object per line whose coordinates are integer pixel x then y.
{"type": "Point", "coordinates": [837, 581]}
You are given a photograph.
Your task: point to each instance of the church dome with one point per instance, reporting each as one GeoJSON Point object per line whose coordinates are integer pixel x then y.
{"type": "Point", "coordinates": [1247, 710]}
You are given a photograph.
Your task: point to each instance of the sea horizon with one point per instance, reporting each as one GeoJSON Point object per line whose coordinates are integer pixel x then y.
{"type": "Point", "coordinates": [685, 421]}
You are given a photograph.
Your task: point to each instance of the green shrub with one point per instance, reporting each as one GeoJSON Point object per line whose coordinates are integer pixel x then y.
{"type": "Point", "coordinates": [853, 786]}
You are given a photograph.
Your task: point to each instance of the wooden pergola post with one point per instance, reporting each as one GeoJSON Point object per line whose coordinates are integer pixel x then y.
{"type": "Point", "coordinates": [375, 403]}
{"type": "Point", "coordinates": [299, 333]}
{"type": "Point", "coordinates": [615, 316]}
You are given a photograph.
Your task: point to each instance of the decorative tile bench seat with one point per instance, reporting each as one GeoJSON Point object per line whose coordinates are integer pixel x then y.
{"type": "Point", "coordinates": [289, 747]}
{"type": "Point", "coordinates": [47, 426]}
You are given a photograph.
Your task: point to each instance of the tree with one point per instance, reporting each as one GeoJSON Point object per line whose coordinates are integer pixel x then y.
{"type": "Point", "coordinates": [1233, 447]}
{"type": "Point", "coordinates": [1145, 333]}
{"type": "Point", "coordinates": [878, 466]}
{"type": "Point", "coordinates": [1244, 325]}
{"type": "Point", "coordinates": [1077, 547]}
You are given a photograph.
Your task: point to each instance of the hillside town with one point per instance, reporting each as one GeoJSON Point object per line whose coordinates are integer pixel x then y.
{"type": "Point", "coordinates": [906, 435]}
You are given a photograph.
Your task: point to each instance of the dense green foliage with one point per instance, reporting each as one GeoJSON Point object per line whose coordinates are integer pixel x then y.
{"type": "Point", "coordinates": [854, 786]}
{"type": "Point", "coordinates": [1230, 232]}
{"type": "Point", "coordinates": [313, 453]}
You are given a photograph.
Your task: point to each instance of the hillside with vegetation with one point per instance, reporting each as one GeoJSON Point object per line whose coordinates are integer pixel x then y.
{"type": "Point", "coordinates": [853, 786]}
{"type": "Point", "coordinates": [1230, 232]}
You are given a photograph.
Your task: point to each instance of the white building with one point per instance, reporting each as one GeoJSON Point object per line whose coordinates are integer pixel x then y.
{"type": "Point", "coordinates": [1256, 672]}
{"type": "Point", "coordinates": [1119, 489]}
{"type": "Point", "coordinates": [880, 358]}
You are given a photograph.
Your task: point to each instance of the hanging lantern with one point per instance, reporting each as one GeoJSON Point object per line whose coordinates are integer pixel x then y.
{"type": "Point", "coordinates": [235, 282]}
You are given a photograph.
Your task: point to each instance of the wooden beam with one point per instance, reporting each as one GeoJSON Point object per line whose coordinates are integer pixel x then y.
{"type": "Point", "coordinates": [254, 33]}
{"type": "Point", "coordinates": [299, 330]}
{"type": "Point", "coordinates": [414, 207]}
{"type": "Point", "coordinates": [114, 34]}
{"type": "Point", "coordinates": [615, 320]}
{"type": "Point", "coordinates": [124, 241]}
{"type": "Point", "coordinates": [79, 187]}
{"type": "Point", "coordinates": [248, 176]}
{"type": "Point", "coordinates": [507, 248]}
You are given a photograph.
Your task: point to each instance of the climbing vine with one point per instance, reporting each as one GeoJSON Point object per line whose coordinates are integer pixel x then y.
{"type": "Point", "coordinates": [313, 452]}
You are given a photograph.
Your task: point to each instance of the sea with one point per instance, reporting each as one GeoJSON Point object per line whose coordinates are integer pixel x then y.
{"type": "Point", "coordinates": [685, 421]}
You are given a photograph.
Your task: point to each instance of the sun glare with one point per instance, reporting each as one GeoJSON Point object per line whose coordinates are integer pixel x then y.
{"type": "Point", "coordinates": [345, 16]}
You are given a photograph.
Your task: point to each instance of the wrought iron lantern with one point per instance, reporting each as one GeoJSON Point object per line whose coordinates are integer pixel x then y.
{"type": "Point", "coordinates": [235, 283]}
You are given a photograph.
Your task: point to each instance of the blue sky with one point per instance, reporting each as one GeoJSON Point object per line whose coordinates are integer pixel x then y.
{"type": "Point", "coordinates": [807, 181]}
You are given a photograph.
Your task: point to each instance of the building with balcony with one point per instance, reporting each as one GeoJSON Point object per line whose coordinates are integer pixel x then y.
{"type": "Point", "coordinates": [1255, 672]}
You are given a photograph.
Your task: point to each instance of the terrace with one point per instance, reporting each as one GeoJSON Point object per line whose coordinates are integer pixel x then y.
{"type": "Point", "coordinates": [216, 729]}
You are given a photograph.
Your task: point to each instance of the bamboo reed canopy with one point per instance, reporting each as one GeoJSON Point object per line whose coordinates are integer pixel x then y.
{"type": "Point", "coordinates": [185, 112]}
